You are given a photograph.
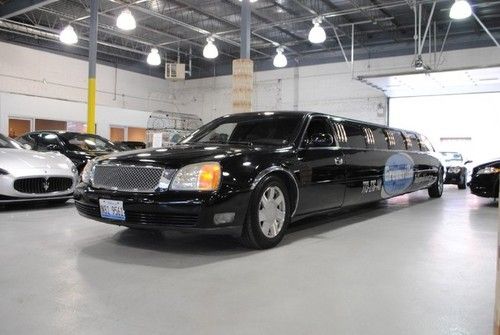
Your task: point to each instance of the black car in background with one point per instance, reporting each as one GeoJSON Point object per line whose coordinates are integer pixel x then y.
{"type": "Point", "coordinates": [250, 174]}
{"type": "Point", "coordinates": [456, 171]}
{"type": "Point", "coordinates": [130, 145]}
{"type": "Point", "coordinates": [485, 180]}
{"type": "Point", "coordinates": [78, 147]}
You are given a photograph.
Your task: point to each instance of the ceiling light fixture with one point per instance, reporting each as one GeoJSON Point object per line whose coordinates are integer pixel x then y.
{"type": "Point", "coordinates": [250, 1]}
{"type": "Point", "coordinates": [68, 35]}
{"type": "Point", "coordinates": [210, 50]}
{"type": "Point", "coordinates": [317, 33]}
{"type": "Point", "coordinates": [154, 57]}
{"type": "Point", "coordinates": [126, 21]}
{"type": "Point", "coordinates": [280, 59]}
{"type": "Point", "coordinates": [460, 10]}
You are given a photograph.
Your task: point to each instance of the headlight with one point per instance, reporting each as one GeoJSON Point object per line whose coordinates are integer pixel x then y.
{"type": "Point", "coordinates": [3, 172]}
{"type": "Point", "coordinates": [197, 177]}
{"type": "Point", "coordinates": [488, 170]}
{"type": "Point", "coordinates": [454, 169]}
{"type": "Point", "coordinates": [88, 171]}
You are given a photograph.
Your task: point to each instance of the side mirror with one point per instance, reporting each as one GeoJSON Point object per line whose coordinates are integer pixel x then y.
{"type": "Point", "coordinates": [467, 162]}
{"type": "Point", "coordinates": [320, 140]}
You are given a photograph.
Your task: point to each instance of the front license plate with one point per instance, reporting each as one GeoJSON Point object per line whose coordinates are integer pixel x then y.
{"type": "Point", "coordinates": [112, 209]}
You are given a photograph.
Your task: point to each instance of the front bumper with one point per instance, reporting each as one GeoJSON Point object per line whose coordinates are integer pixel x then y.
{"type": "Point", "coordinates": [485, 185]}
{"type": "Point", "coordinates": [453, 178]}
{"type": "Point", "coordinates": [183, 211]}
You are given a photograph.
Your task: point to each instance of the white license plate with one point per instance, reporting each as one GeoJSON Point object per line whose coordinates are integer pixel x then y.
{"type": "Point", "coordinates": [112, 209]}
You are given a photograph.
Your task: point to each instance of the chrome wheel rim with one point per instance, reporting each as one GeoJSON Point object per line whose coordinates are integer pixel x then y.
{"type": "Point", "coordinates": [272, 211]}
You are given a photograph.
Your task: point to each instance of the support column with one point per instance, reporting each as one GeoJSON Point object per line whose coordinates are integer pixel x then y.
{"type": "Point", "coordinates": [243, 67]}
{"type": "Point", "coordinates": [91, 101]}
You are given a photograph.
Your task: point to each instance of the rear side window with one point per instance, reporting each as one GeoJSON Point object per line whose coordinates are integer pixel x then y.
{"type": "Point", "coordinates": [399, 140]}
{"type": "Point", "coordinates": [355, 136]}
{"type": "Point", "coordinates": [425, 144]}
{"type": "Point", "coordinates": [415, 145]}
{"type": "Point", "coordinates": [381, 141]}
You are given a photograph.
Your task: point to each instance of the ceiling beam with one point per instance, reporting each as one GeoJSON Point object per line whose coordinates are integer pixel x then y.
{"type": "Point", "coordinates": [18, 7]}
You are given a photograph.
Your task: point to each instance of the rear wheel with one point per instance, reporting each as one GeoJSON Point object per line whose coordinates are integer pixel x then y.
{"type": "Point", "coordinates": [436, 190]}
{"type": "Point", "coordinates": [268, 215]}
{"type": "Point", "coordinates": [462, 184]}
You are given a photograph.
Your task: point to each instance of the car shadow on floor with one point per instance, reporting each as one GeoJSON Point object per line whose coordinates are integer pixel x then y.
{"type": "Point", "coordinates": [179, 250]}
{"type": "Point", "coordinates": [34, 205]}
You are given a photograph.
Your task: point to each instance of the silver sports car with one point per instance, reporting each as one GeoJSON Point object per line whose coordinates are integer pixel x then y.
{"type": "Point", "coordinates": [27, 175]}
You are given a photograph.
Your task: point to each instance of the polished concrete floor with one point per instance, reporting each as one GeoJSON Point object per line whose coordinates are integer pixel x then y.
{"type": "Point", "coordinates": [410, 265]}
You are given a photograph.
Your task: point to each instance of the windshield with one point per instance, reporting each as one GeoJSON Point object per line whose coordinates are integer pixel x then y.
{"type": "Point", "coordinates": [87, 143]}
{"type": "Point", "coordinates": [7, 143]}
{"type": "Point", "coordinates": [259, 129]}
{"type": "Point", "coordinates": [452, 156]}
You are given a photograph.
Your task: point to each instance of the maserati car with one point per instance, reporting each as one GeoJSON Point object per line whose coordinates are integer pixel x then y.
{"type": "Point", "coordinates": [78, 147]}
{"type": "Point", "coordinates": [250, 175]}
{"type": "Point", "coordinates": [27, 175]}
{"type": "Point", "coordinates": [485, 179]}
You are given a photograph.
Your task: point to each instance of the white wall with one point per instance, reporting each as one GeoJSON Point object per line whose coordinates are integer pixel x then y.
{"type": "Point", "coordinates": [50, 86]}
{"type": "Point", "coordinates": [453, 116]}
{"type": "Point", "coordinates": [29, 107]}
{"type": "Point", "coordinates": [324, 88]}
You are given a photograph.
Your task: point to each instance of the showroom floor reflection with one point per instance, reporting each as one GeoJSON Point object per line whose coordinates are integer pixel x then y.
{"type": "Point", "coordinates": [409, 265]}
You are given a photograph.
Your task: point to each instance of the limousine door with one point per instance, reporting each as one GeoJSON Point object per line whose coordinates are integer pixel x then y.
{"type": "Point", "coordinates": [322, 168]}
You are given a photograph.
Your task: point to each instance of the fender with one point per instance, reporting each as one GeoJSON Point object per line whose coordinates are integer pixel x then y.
{"type": "Point", "coordinates": [272, 169]}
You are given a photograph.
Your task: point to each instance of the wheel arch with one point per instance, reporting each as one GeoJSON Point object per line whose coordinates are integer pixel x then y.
{"type": "Point", "coordinates": [289, 179]}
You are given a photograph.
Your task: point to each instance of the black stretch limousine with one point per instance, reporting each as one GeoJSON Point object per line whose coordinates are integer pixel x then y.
{"type": "Point", "coordinates": [249, 175]}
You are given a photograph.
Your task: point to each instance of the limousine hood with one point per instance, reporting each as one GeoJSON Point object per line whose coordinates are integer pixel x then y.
{"type": "Point", "coordinates": [179, 155]}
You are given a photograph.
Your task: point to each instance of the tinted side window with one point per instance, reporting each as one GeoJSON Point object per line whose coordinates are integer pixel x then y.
{"type": "Point", "coordinates": [318, 125]}
{"type": "Point", "coordinates": [415, 145]}
{"type": "Point", "coordinates": [27, 139]}
{"type": "Point", "coordinates": [48, 141]}
{"type": "Point", "coordinates": [381, 141]}
{"type": "Point", "coordinates": [355, 136]}
{"type": "Point", "coordinates": [399, 141]}
{"type": "Point", "coordinates": [425, 144]}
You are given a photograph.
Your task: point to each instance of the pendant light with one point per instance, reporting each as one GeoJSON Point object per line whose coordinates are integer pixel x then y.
{"type": "Point", "coordinates": [460, 10]}
{"type": "Point", "coordinates": [317, 33]}
{"type": "Point", "coordinates": [154, 57]}
{"type": "Point", "coordinates": [126, 21]}
{"type": "Point", "coordinates": [280, 59]}
{"type": "Point", "coordinates": [68, 35]}
{"type": "Point", "coordinates": [210, 50]}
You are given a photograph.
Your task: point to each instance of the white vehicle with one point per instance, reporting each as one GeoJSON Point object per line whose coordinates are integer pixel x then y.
{"type": "Point", "coordinates": [27, 175]}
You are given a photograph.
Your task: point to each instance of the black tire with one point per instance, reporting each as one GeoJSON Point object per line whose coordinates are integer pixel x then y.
{"type": "Point", "coordinates": [436, 190]}
{"type": "Point", "coordinates": [462, 185]}
{"type": "Point", "coordinates": [252, 235]}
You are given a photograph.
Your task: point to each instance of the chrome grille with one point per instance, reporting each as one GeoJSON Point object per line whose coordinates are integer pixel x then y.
{"type": "Point", "coordinates": [43, 185]}
{"type": "Point", "coordinates": [127, 178]}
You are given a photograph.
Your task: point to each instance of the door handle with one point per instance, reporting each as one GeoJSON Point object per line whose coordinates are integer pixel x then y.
{"type": "Point", "coordinates": [338, 161]}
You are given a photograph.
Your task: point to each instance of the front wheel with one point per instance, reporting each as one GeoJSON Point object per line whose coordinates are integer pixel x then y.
{"type": "Point", "coordinates": [268, 215]}
{"type": "Point", "coordinates": [436, 190]}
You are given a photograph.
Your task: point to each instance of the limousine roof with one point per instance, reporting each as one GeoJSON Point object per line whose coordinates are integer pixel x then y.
{"type": "Point", "coordinates": [285, 112]}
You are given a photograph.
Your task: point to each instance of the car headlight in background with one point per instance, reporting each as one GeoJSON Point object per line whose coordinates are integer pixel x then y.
{"type": "Point", "coordinates": [87, 172]}
{"type": "Point", "coordinates": [3, 172]}
{"type": "Point", "coordinates": [488, 170]}
{"type": "Point", "coordinates": [197, 177]}
{"type": "Point", "coordinates": [454, 169]}
{"type": "Point", "coordinates": [74, 170]}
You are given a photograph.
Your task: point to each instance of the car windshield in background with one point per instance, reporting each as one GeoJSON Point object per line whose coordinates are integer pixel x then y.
{"type": "Point", "coordinates": [452, 156]}
{"type": "Point", "coordinates": [7, 143]}
{"type": "Point", "coordinates": [271, 130]}
{"type": "Point", "coordinates": [88, 143]}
